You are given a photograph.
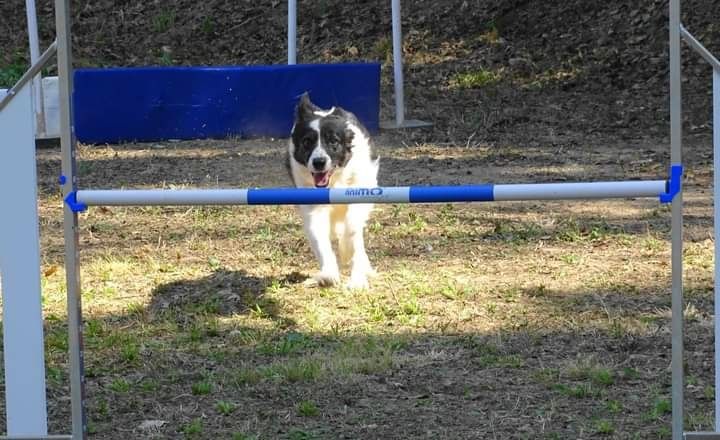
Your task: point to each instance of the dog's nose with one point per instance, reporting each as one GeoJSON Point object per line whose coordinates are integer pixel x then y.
{"type": "Point", "coordinates": [319, 163]}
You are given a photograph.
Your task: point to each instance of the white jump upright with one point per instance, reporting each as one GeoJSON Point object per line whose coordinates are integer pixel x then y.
{"type": "Point", "coordinates": [398, 76]}
{"type": "Point", "coordinates": [292, 32]}
{"type": "Point", "coordinates": [37, 89]}
{"type": "Point", "coordinates": [20, 271]}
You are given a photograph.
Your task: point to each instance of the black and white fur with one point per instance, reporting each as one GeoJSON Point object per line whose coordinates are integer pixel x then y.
{"type": "Point", "coordinates": [331, 148]}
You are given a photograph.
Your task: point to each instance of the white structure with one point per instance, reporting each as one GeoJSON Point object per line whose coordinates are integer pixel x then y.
{"type": "Point", "coordinates": [20, 272]}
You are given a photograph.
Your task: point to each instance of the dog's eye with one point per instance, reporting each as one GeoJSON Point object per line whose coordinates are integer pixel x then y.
{"type": "Point", "coordinates": [308, 142]}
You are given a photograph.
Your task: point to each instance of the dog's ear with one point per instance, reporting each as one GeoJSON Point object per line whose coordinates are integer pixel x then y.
{"type": "Point", "coordinates": [305, 108]}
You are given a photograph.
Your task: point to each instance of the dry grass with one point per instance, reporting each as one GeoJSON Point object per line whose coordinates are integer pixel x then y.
{"type": "Point", "coordinates": [547, 320]}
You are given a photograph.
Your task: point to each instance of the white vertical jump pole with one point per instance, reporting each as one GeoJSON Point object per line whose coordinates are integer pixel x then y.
{"type": "Point", "coordinates": [34, 56]}
{"type": "Point", "coordinates": [398, 64]}
{"type": "Point", "coordinates": [292, 31]}
{"type": "Point", "coordinates": [398, 79]}
{"type": "Point", "coordinates": [20, 272]}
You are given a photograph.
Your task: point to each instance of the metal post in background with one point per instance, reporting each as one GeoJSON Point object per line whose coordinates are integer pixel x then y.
{"type": "Point", "coordinates": [677, 224]}
{"type": "Point", "coordinates": [398, 63]}
{"type": "Point", "coordinates": [399, 81]}
{"type": "Point", "coordinates": [34, 41]}
{"type": "Point", "coordinates": [292, 31]}
{"type": "Point", "coordinates": [72, 257]}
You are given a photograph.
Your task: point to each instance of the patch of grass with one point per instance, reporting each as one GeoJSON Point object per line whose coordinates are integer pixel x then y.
{"type": "Point", "coordinates": [614, 406]}
{"type": "Point", "coordinates": [120, 385]}
{"type": "Point", "coordinates": [288, 344]}
{"type": "Point", "coordinates": [225, 408]}
{"type": "Point", "coordinates": [54, 375]}
{"type": "Point", "coordinates": [475, 79]}
{"type": "Point", "coordinates": [298, 434]}
{"type": "Point", "coordinates": [307, 408]}
{"type": "Point", "coordinates": [500, 361]}
{"type": "Point", "coordinates": [165, 59]}
{"type": "Point", "coordinates": [208, 25]}
{"type": "Point", "coordinates": [149, 385]}
{"type": "Point", "coordinates": [630, 373]}
{"type": "Point", "coordinates": [193, 429]}
{"type": "Point", "coordinates": [410, 306]}
{"type": "Point", "coordinates": [546, 376]}
{"type": "Point", "coordinates": [663, 432]}
{"type": "Point", "coordinates": [709, 392]}
{"type": "Point", "coordinates": [552, 76]}
{"type": "Point", "coordinates": [491, 34]}
{"type": "Point", "coordinates": [516, 233]}
{"type": "Point", "coordinates": [383, 49]}
{"type": "Point", "coordinates": [11, 73]}
{"type": "Point", "coordinates": [102, 409]}
{"type": "Point", "coordinates": [699, 421]}
{"type": "Point", "coordinates": [130, 352]}
{"type": "Point", "coordinates": [164, 20]}
{"type": "Point", "coordinates": [246, 376]}
{"type": "Point", "coordinates": [295, 370]}
{"type": "Point", "coordinates": [659, 408]}
{"type": "Point", "coordinates": [604, 427]}
{"type": "Point", "coordinates": [570, 259]}
{"type": "Point", "coordinates": [454, 290]}
{"type": "Point", "coordinates": [586, 370]}
{"type": "Point", "coordinates": [602, 376]}
{"type": "Point", "coordinates": [201, 388]}
{"type": "Point", "coordinates": [243, 436]}
{"type": "Point", "coordinates": [57, 340]}
{"type": "Point", "coordinates": [582, 391]}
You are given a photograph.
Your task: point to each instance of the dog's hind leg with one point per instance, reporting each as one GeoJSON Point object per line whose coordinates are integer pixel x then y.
{"type": "Point", "coordinates": [354, 239]}
{"type": "Point", "coordinates": [317, 229]}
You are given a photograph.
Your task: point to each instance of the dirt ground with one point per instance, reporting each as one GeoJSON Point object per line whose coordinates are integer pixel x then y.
{"type": "Point", "coordinates": [540, 320]}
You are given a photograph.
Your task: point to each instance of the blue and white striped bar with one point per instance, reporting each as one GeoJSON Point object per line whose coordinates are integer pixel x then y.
{"type": "Point", "coordinates": [400, 194]}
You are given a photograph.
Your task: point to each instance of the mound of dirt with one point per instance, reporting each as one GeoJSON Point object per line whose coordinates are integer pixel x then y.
{"type": "Point", "coordinates": [493, 68]}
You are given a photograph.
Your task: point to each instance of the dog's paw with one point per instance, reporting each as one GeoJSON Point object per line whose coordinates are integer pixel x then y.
{"type": "Point", "coordinates": [323, 279]}
{"type": "Point", "coordinates": [358, 282]}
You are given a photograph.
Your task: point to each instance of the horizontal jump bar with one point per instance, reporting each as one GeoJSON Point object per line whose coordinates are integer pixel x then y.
{"type": "Point", "coordinates": [399, 194]}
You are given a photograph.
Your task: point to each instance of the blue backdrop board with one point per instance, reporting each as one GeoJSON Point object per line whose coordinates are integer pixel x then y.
{"type": "Point", "coordinates": [156, 103]}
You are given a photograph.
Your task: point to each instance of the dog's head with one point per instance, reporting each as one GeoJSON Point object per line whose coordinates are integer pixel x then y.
{"type": "Point", "coordinates": [322, 139]}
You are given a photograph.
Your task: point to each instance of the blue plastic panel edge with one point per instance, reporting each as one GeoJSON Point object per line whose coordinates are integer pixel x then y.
{"type": "Point", "coordinates": [156, 103]}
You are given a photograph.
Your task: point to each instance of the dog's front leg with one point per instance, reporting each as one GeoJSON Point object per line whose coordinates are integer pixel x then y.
{"type": "Point", "coordinates": [317, 229]}
{"type": "Point", "coordinates": [354, 238]}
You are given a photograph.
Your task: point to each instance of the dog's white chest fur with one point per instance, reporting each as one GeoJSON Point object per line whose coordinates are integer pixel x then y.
{"type": "Point", "coordinates": [330, 148]}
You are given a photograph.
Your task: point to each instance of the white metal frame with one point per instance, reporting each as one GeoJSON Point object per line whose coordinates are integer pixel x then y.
{"type": "Point", "coordinates": [16, 108]}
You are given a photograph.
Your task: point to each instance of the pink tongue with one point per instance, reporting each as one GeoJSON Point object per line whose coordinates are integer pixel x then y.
{"type": "Point", "coordinates": [321, 179]}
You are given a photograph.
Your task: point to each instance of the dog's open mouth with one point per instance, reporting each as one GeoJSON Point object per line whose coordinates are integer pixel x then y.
{"type": "Point", "coordinates": [322, 180]}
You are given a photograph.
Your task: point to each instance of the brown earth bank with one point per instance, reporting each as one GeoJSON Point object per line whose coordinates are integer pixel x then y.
{"type": "Point", "coordinates": [519, 320]}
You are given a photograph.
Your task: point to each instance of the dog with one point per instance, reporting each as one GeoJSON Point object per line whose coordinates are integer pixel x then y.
{"type": "Point", "coordinates": [332, 149]}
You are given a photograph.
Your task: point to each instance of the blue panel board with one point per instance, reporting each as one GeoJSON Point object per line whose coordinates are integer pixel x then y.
{"type": "Point", "coordinates": [156, 103]}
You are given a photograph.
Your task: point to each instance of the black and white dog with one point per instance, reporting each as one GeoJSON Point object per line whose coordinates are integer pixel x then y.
{"type": "Point", "coordinates": [331, 148]}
